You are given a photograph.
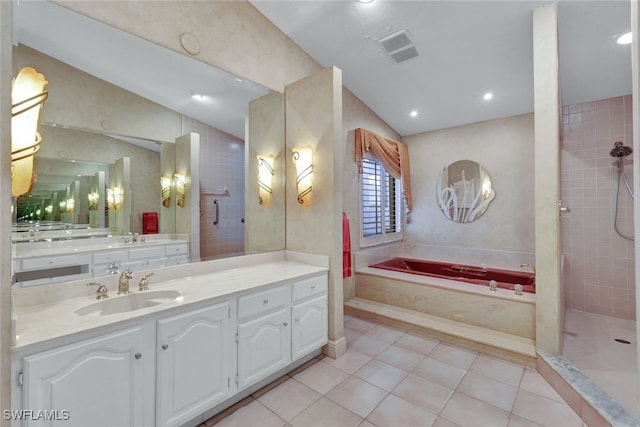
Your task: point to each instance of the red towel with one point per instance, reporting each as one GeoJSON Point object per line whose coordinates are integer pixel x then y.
{"type": "Point", "coordinates": [346, 247]}
{"type": "Point", "coordinates": [149, 222]}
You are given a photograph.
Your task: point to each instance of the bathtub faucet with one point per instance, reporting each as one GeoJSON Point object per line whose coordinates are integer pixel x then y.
{"type": "Point", "coordinates": [531, 266]}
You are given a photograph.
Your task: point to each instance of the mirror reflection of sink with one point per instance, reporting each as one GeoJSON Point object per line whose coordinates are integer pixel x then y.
{"type": "Point", "coordinates": [129, 302]}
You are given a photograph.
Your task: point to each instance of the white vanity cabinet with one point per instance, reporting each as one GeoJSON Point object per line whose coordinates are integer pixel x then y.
{"type": "Point", "coordinates": [95, 262]}
{"type": "Point", "coordinates": [264, 334]}
{"type": "Point", "coordinates": [51, 269]}
{"type": "Point", "coordinates": [196, 360]}
{"type": "Point", "coordinates": [101, 381]}
{"type": "Point", "coordinates": [171, 367]}
{"type": "Point", "coordinates": [309, 324]}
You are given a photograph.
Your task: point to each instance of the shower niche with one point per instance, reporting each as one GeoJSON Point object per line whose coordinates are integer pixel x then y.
{"type": "Point", "coordinates": [464, 191]}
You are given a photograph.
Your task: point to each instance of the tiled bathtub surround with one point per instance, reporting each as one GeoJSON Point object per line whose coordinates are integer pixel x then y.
{"type": "Point", "coordinates": [599, 265]}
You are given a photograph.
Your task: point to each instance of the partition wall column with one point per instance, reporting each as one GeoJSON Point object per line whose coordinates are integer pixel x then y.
{"type": "Point", "coordinates": [5, 207]}
{"type": "Point", "coordinates": [549, 302]}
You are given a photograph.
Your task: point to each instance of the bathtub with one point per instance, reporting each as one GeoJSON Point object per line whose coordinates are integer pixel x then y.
{"type": "Point", "coordinates": [506, 279]}
{"type": "Point", "coordinates": [461, 299]}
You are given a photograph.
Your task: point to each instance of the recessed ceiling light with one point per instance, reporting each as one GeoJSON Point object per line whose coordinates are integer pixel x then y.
{"type": "Point", "coordinates": [624, 38]}
{"type": "Point", "coordinates": [197, 95]}
{"type": "Point", "coordinates": [487, 96]}
{"type": "Point", "coordinates": [365, 1]}
{"type": "Point", "coordinates": [413, 113]}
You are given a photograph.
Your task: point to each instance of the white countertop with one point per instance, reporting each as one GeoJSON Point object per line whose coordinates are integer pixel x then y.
{"type": "Point", "coordinates": [41, 319]}
{"type": "Point", "coordinates": [61, 247]}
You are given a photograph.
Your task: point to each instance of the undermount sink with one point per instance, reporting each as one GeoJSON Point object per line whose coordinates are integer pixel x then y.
{"type": "Point", "coordinates": [128, 303]}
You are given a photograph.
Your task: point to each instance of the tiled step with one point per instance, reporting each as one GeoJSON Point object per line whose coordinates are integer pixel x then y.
{"type": "Point", "coordinates": [499, 344]}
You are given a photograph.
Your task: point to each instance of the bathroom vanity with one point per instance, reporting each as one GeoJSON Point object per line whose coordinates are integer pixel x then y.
{"type": "Point", "coordinates": [54, 261]}
{"type": "Point", "coordinates": [203, 336]}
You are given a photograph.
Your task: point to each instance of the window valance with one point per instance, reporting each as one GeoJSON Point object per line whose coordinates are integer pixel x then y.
{"type": "Point", "coordinates": [393, 155]}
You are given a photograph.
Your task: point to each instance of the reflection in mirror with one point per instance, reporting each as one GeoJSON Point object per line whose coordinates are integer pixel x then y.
{"type": "Point", "coordinates": [110, 91]}
{"type": "Point", "coordinates": [464, 191]}
{"type": "Point", "coordinates": [65, 191]}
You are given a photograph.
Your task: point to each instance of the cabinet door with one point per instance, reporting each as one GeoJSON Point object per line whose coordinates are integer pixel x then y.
{"type": "Point", "coordinates": [264, 346]}
{"type": "Point", "coordinates": [309, 329]}
{"type": "Point", "coordinates": [98, 381]}
{"type": "Point", "coordinates": [195, 362]}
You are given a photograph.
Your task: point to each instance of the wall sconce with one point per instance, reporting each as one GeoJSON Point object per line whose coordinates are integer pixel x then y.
{"type": "Point", "coordinates": [48, 209]}
{"type": "Point", "coordinates": [63, 206]}
{"type": "Point", "coordinates": [114, 198]}
{"type": "Point", "coordinates": [27, 97]}
{"type": "Point", "coordinates": [93, 201]}
{"type": "Point", "coordinates": [165, 184]}
{"type": "Point", "coordinates": [71, 203]}
{"type": "Point", "coordinates": [180, 189]}
{"type": "Point", "coordinates": [302, 158]}
{"type": "Point", "coordinates": [265, 176]}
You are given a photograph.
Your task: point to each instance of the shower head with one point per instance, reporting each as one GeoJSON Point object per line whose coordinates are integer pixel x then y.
{"type": "Point", "coordinates": [620, 150]}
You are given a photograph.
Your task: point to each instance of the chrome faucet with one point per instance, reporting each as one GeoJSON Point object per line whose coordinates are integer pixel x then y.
{"type": "Point", "coordinates": [113, 269]}
{"type": "Point", "coordinates": [134, 239]}
{"type": "Point", "coordinates": [144, 283]}
{"type": "Point", "coordinates": [101, 292]}
{"type": "Point", "coordinates": [123, 282]}
{"type": "Point", "coordinates": [531, 266]}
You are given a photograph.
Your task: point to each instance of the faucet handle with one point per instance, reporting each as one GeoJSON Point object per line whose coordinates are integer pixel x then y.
{"type": "Point", "coordinates": [101, 292]}
{"type": "Point", "coordinates": [144, 283]}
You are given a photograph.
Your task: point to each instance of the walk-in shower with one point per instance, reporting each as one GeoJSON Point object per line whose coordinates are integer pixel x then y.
{"type": "Point", "coordinates": [620, 151]}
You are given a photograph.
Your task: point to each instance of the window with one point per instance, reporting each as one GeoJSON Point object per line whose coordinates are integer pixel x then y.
{"type": "Point", "coordinates": [381, 201]}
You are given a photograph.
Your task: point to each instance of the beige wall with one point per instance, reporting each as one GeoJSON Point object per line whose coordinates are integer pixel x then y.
{"type": "Point", "coordinates": [265, 223]}
{"type": "Point", "coordinates": [355, 114]}
{"type": "Point", "coordinates": [504, 148]}
{"type": "Point", "coordinates": [230, 35]}
{"type": "Point", "coordinates": [81, 101]}
{"type": "Point", "coordinates": [6, 75]}
{"type": "Point", "coordinates": [314, 118]}
{"type": "Point", "coordinates": [549, 301]}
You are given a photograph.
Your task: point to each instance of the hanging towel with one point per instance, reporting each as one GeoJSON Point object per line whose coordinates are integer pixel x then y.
{"type": "Point", "coordinates": [149, 222]}
{"type": "Point", "coordinates": [346, 247]}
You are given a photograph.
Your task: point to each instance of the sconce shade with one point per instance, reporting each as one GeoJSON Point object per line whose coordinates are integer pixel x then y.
{"type": "Point", "coordinates": [93, 201]}
{"type": "Point", "coordinates": [303, 159]}
{"type": "Point", "coordinates": [265, 178]}
{"type": "Point", "coordinates": [114, 198]}
{"type": "Point", "coordinates": [27, 97]}
{"type": "Point", "coordinates": [180, 189]}
{"type": "Point", "coordinates": [165, 184]}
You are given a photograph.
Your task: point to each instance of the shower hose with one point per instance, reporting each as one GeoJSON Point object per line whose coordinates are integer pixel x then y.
{"type": "Point", "coordinates": [615, 213]}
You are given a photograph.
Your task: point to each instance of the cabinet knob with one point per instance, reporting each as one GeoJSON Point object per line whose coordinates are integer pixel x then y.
{"type": "Point", "coordinates": [138, 356]}
{"type": "Point", "coordinates": [265, 301]}
{"type": "Point", "coordinates": [285, 324]}
{"type": "Point", "coordinates": [165, 346]}
{"type": "Point", "coordinates": [313, 287]}
{"type": "Point", "coordinates": [297, 319]}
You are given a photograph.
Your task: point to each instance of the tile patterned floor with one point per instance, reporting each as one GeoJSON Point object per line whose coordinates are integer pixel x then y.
{"type": "Point", "coordinates": [391, 378]}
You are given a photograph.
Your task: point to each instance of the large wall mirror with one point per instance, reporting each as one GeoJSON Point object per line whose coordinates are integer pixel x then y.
{"type": "Point", "coordinates": [67, 192]}
{"type": "Point", "coordinates": [464, 191]}
{"type": "Point", "coordinates": [114, 96]}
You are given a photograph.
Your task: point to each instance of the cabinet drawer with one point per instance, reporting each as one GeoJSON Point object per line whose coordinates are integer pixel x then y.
{"type": "Point", "coordinates": [55, 261]}
{"type": "Point", "coordinates": [172, 250]}
{"type": "Point", "coordinates": [177, 260]}
{"type": "Point", "coordinates": [109, 257]}
{"type": "Point", "coordinates": [309, 287]}
{"type": "Point", "coordinates": [263, 302]}
{"type": "Point", "coordinates": [144, 253]}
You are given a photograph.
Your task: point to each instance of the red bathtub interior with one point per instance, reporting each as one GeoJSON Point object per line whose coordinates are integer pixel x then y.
{"type": "Point", "coordinates": [466, 273]}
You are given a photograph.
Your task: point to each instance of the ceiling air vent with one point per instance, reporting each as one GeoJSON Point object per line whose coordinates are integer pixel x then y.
{"type": "Point", "coordinates": [399, 46]}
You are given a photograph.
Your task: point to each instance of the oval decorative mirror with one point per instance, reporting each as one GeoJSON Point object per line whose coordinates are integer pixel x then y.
{"type": "Point", "coordinates": [464, 191]}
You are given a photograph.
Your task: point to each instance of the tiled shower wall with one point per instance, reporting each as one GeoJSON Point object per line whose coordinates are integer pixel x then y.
{"type": "Point", "coordinates": [598, 266]}
{"type": "Point", "coordinates": [221, 168]}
